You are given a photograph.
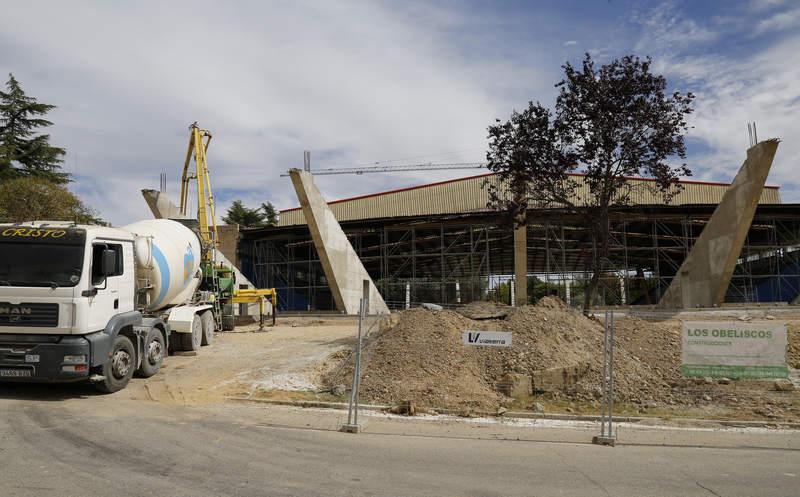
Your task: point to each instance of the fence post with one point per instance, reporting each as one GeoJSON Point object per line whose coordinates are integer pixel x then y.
{"type": "Point", "coordinates": [607, 435]}
{"type": "Point", "coordinates": [352, 425]}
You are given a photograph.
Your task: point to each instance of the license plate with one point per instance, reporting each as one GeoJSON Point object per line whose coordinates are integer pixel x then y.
{"type": "Point", "coordinates": [15, 373]}
{"type": "Point", "coordinates": [32, 358]}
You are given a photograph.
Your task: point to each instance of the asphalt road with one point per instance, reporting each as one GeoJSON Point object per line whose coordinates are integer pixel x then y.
{"type": "Point", "coordinates": [84, 445]}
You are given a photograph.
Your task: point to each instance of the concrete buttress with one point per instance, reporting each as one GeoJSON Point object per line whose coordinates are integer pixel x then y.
{"type": "Point", "coordinates": [705, 274]}
{"type": "Point", "coordinates": [343, 269]}
{"type": "Point", "coordinates": [161, 206]}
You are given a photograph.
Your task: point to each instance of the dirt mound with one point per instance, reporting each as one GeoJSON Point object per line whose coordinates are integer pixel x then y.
{"type": "Point", "coordinates": [553, 303]}
{"type": "Point", "coordinates": [793, 357]}
{"type": "Point", "coordinates": [545, 336]}
{"type": "Point", "coordinates": [647, 360]}
{"type": "Point", "coordinates": [421, 358]}
{"type": "Point", "coordinates": [485, 310]}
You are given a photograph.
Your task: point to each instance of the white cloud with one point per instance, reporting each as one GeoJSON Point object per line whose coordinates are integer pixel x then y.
{"type": "Point", "coordinates": [666, 26]}
{"type": "Point", "coordinates": [779, 21]}
{"type": "Point", "coordinates": [352, 82]}
{"type": "Point", "coordinates": [733, 89]}
{"type": "Point", "coordinates": [760, 5]}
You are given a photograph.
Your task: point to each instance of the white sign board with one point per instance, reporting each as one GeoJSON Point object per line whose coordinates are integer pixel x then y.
{"type": "Point", "coordinates": [734, 349]}
{"type": "Point", "coordinates": [486, 338]}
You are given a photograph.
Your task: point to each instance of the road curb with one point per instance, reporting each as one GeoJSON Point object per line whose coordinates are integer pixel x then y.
{"type": "Point", "coordinates": [685, 422]}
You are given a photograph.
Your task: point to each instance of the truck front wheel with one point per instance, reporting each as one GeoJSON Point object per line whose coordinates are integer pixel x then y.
{"type": "Point", "coordinates": [154, 351]}
{"type": "Point", "coordinates": [119, 368]}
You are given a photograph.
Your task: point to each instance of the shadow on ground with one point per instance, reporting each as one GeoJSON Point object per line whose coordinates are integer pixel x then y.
{"type": "Point", "coordinates": [47, 391]}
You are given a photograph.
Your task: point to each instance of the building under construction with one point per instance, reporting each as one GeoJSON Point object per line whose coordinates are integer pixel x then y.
{"type": "Point", "coordinates": [439, 243]}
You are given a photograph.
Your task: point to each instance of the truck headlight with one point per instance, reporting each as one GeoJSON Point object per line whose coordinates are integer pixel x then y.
{"type": "Point", "coordinates": [74, 359]}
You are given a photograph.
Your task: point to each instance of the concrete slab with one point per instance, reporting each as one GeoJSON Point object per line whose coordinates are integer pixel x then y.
{"type": "Point", "coordinates": [161, 206]}
{"type": "Point", "coordinates": [704, 276]}
{"type": "Point", "coordinates": [343, 268]}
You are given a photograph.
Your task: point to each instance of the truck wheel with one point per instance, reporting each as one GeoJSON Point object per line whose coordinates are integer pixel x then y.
{"type": "Point", "coordinates": [154, 351]}
{"type": "Point", "coordinates": [118, 370]}
{"type": "Point", "coordinates": [193, 340]}
{"type": "Point", "coordinates": [207, 319]}
{"type": "Point", "coordinates": [228, 323]}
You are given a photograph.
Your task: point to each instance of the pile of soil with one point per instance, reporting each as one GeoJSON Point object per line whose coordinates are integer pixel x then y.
{"type": "Point", "coordinates": [793, 356]}
{"type": "Point", "coordinates": [418, 356]}
{"type": "Point", "coordinates": [421, 358]}
{"type": "Point", "coordinates": [485, 310]}
{"type": "Point", "coordinates": [647, 363]}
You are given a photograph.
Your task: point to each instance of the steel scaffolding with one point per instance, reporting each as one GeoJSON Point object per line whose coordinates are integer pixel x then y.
{"type": "Point", "coordinates": [452, 260]}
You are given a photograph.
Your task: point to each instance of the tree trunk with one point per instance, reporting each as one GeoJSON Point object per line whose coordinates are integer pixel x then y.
{"type": "Point", "coordinates": [599, 228]}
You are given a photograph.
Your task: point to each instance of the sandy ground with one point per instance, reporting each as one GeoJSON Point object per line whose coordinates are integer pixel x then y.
{"type": "Point", "coordinates": [242, 362]}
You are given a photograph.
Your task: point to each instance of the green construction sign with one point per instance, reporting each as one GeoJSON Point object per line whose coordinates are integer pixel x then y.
{"type": "Point", "coordinates": [734, 349]}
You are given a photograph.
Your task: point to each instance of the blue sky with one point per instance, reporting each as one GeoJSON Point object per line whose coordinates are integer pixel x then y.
{"type": "Point", "coordinates": [365, 82]}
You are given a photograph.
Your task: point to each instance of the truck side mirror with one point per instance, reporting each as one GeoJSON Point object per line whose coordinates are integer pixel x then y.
{"type": "Point", "coordinates": [108, 263]}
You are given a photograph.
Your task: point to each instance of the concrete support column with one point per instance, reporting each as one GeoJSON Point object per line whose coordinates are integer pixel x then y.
{"type": "Point", "coordinates": [343, 268]}
{"type": "Point", "coordinates": [521, 265]}
{"type": "Point", "coordinates": [705, 274]}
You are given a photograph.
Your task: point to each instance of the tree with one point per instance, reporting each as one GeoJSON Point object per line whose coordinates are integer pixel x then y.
{"type": "Point", "coordinates": [523, 153]}
{"type": "Point", "coordinates": [22, 151]}
{"type": "Point", "coordinates": [265, 215]}
{"type": "Point", "coordinates": [609, 124]}
{"type": "Point", "coordinates": [29, 199]}
{"type": "Point", "coordinates": [271, 214]}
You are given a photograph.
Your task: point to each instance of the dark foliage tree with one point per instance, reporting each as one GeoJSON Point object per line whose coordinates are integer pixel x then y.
{"type": "Point", "coordinates": [265, 215]}
{"type": "Point", "coordinates": [23, 152]}
{"type": "Point", "coordinates": [270, 214]}
{"type": "Point", "coordinates": [243, 216]}
{"type": "Point", "coordinates": [530, 163]}
{"type": "Point", "coordinates": [610, 123]}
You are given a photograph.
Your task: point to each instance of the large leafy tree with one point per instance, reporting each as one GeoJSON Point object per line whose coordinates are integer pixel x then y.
{"type": "Point", "coordinates": [24, 151]}
{"type": "Point", "coordinates": [30, 199]}
{"type": "Point", "coordinates": [265, 215]}
{"type": "Point", "coordinates": [609, 123]}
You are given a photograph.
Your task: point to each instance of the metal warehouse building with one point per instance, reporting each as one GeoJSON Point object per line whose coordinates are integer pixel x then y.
{"type": "Point", "coordinates": [439, 243]}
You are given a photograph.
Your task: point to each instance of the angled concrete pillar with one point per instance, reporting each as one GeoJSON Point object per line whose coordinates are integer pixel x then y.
{"type": "Point", "coordinates": [343, 269]}
{"type": "Point", "coordinates": [161, 206]}
{"type": "Point", "coordinates": [704, 276]}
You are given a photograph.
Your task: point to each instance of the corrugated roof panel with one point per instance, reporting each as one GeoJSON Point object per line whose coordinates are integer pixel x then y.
{"type": "Point", "coordinates": [467, 195]}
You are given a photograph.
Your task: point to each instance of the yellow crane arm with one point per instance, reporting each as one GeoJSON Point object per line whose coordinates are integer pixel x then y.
{"type": "Point", "coordinates": [205, 198]}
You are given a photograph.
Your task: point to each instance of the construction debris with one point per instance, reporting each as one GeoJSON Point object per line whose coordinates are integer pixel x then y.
{"type": "Point", "coordinates": [556, 354]}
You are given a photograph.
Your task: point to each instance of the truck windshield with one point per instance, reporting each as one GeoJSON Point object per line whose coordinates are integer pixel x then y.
{"type": "Point", "coordinates": [39, 264]}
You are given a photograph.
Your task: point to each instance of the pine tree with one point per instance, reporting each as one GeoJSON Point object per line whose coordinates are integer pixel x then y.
{"type": "Point", "coordinates": [22, 151]}
{"type": "Point", "coordinates": [271, 214]}
{"type": "Point", "coordinates": [243, 216]}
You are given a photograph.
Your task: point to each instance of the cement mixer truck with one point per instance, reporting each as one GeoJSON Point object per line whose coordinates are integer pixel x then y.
{"type": "Point", "coordinates": [100, 304]}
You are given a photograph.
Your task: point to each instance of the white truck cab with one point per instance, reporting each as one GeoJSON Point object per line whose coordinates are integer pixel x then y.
{"type": "Point", "coordinates": [68, 306]}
